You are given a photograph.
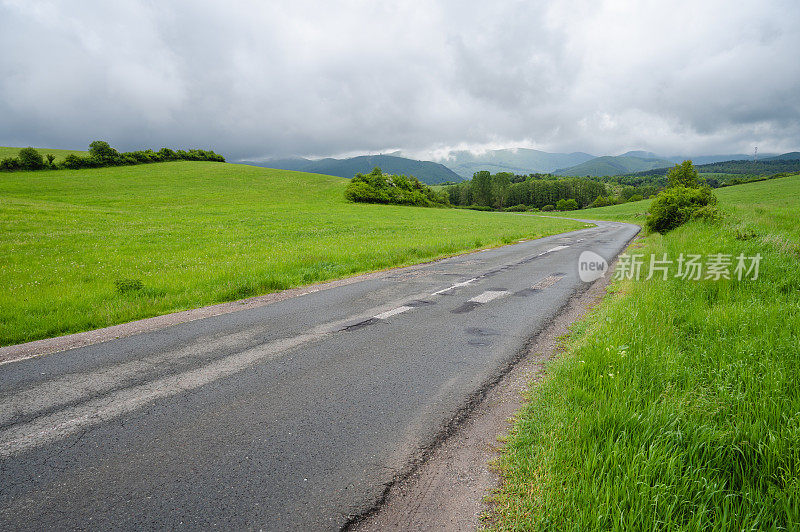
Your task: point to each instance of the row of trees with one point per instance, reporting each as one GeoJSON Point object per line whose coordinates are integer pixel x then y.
{"type": "Point", "coordinates": [505, 190]}
{"type": "Point", "coordinates": [377, 187]}
{"type": "Point", "coordinates": [102, 154]}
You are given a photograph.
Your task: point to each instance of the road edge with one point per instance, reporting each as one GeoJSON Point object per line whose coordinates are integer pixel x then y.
{"type": "Point", "coordinates": [404, 497]}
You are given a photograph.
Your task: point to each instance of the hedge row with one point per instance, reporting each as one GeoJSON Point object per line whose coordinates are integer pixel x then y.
{"type": "Point", "coordinates": [100, 155]}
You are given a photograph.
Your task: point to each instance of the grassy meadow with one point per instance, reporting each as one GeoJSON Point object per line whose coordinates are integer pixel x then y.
{"type": "Point", "coordinates": [59, 154]}
{"type": "Point", "coordinates": [83, 249]}
{"type": "Point", "coordinates": [675, 405]}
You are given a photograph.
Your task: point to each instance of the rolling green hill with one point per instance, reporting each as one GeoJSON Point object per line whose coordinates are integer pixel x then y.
{"type": "Point", "coordinates": [60, 154]}
{"type": "Point", "coordinates": [426, 171]}
{"type": "Point", "coordinates": [84, 249]}
{"type": "Point", "coordinates": [611, 165]}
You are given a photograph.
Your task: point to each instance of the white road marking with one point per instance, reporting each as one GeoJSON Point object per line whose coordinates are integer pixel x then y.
{"type": "Point", "coordinates": [488, 296]}
{"type": "Point", "coordinates": [393, 312]}
{"type": "Point", "coordinates": [557, 248]}
{"type": "Point", "coordinates": [457, 285]}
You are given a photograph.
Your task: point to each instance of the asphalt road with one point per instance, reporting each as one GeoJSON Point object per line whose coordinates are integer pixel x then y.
{"type": "Point", "coordinates": [290, 416]}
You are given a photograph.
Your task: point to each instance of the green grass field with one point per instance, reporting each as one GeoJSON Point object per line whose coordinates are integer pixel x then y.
{"type": "Point", "coordinates": [196, 233]}
{"type": "Point", "coordinates": [676, 404]}
{"type": "Point", "coordinates": [60, 154]}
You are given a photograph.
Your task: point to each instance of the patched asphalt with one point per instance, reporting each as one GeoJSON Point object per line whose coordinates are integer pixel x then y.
{"type": "Point", "coordinates": [293, 415]}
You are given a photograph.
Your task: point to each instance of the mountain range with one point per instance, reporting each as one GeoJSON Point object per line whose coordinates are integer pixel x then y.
{"type": "Point", "coordinates": [639, 161]}
{"type": "Point", "coordinates": [426, 171]}
{"type": "Point", "coordinates": [514, 160]}
{"type": "Point", "coordinates": [462, 165]}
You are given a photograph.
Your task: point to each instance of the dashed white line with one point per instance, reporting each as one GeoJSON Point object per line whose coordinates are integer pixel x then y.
{"type": "Point", "coordinates": [457, 285]}
{"type": "Point", "coordinates": [393, 312]}
{"type": "Point", "coordinates": [488, 296]}
{"type": "Point", "coordinates": [557, 248]}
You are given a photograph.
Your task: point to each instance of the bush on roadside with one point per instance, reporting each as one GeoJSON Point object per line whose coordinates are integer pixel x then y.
{"type": "Point", "coordinates": [517, 208]}
{"type": "Point", "coordinates": [548, 208]}
{"type": "Point", "coordinates": [676, 206]}
{"type": "Point", "coordinates": [709, 213]}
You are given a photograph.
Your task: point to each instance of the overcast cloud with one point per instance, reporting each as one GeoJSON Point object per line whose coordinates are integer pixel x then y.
{"type": "Point", "coordinates": [254, 79]}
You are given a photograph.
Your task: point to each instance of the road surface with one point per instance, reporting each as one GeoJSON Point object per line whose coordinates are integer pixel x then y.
{"type": "Point", "coordinates": [290, 416]}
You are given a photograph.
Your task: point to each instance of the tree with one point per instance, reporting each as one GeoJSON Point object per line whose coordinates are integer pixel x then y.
{"type": "Point", "coordinates": [683, 175]}
{"type": "Point", "coordinates": [482, 188]}
{"type": "Point", "coordinates": [500, 184]}
{"type": "Point", "coordinates": [104, 153]}
{"type": "Point", "coordinates": [30, 159]}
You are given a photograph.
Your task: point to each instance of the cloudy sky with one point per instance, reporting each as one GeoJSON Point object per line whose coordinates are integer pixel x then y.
{"type": "Point", "coordinates": [257, 79]}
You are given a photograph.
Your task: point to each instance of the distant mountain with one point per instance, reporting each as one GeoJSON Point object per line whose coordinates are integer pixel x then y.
{"type": "Point", "coordinates": [426, 171]}
{"type": "Point", "coordinates": [515, 160]}
{"type": "Point", "coordinates": [614, 165]}
{"type": "Point", "coordinates": [791, 156]}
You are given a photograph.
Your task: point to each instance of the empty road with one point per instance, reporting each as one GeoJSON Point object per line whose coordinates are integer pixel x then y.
{"type": "Point", "coordinates": [290, 416]}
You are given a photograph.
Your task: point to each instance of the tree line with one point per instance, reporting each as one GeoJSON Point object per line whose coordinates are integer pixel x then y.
{"type": "Point", "coordinates": [102, 154]}
{"type": "Point", "coordinates": [506, 191]}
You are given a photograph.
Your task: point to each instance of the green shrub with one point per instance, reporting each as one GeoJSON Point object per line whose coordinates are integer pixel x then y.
{"type": "Point", "coordinates": [676, 205]}
{"type": "Point", "coordinates": [566, 205]}
{"type": "Point", "coordinates": [9, 164]}
{"type": "Point", "coordinates": [105, 154]}
{"type": "Point", "coordinates": [636, 197]}
{"type": "Point", "coordinates": [517, 208]}
{"type": "Point", "coordinates": [548, 208]}
{"type": "Point", "coordinates": [683, 175]}
{"type": "Point", "coordinates": [708, 213]}
{"type": "Point", "coordinates": [30, 159]}
{"type": "Point", "coordinates": [377, 187]}
{"type": "Point", "coordinates": [75, 162]}
{"type": "Point", "coordinates": [604, 201]}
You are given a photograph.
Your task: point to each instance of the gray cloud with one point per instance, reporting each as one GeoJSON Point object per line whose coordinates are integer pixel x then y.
{"type": "Point", "coordinates": [277, 78]}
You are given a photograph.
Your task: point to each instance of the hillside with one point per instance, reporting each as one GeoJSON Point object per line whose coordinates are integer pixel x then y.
{"type": "Point", "coordinates": [426, 171]}
{"type": "Point", "coordinates": [518, 161]}
{"type": "Point", "coordinates": [90, 248]}
{"type": "Point", "coordinates": [791, 156]}
{"type": "Point", "coordinates": [614, 165]}
{"type": "Point", "coordinates": [672, 405]}
{"type": "Point", "coordinates": [787, 162]}
{"type": "Point", "coordinates": [60, 154]}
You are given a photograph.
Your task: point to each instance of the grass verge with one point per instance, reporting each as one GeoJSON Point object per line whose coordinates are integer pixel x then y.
{"type": "Point", "coordinates": [83, 249]}
{"type": "Point", "coordinates": [675, 404]}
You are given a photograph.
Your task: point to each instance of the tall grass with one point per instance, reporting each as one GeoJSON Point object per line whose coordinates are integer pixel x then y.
{"type": "Point", "coordinates": [82, 249]}
{"type": "Point", "coordinates": [676, 404]}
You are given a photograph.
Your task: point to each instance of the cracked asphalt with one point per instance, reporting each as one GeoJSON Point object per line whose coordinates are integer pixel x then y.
{"type": "Point", "coordinates": [294, 415]}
